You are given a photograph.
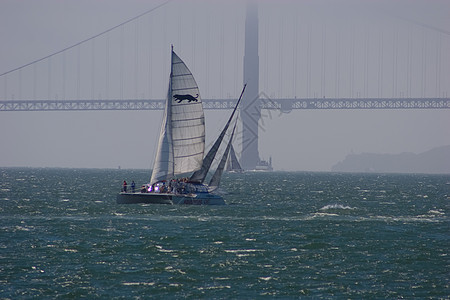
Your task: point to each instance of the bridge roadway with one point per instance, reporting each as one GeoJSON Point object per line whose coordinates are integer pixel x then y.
{"type": "Point", "coordinates": [285, 105]}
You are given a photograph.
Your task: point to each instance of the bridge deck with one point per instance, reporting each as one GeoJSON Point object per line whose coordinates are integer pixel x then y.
{"type": "Point", "coordinates": [285, 105]}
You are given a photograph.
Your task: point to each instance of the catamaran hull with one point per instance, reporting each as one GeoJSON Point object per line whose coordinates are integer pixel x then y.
{"type": "Point", "coordinates": [154, 198]}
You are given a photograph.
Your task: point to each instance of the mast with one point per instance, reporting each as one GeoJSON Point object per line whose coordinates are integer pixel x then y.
{"type": "Point", "coordinates": [169, 105]}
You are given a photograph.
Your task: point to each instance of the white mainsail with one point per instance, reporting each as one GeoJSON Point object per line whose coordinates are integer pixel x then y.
{"type": "Point", "coordinates": [182, 138]}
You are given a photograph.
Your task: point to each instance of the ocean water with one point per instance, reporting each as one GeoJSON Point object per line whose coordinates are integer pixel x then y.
{"type": "Point", "coordinates": [282, 235]}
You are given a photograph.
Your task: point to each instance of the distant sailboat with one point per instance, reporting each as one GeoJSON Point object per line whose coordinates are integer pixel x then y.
{"type": "Point", "coordinates": [233, 164]}
{"type": "Point", "coordinates": [181, 148]}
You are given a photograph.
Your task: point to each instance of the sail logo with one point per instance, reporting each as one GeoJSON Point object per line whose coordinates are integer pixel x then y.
{"type": "Point", "coordinates": [187, 97]}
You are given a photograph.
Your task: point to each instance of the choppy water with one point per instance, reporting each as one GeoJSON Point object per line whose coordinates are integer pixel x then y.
{"type": "Point", "coordinates": [282, 235]}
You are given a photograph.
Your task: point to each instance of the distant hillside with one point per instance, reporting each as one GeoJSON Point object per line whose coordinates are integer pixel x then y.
{"type": "Point", "coordinates": [434, 161]}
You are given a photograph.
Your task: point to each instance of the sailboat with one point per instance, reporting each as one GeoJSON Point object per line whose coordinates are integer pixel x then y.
{"type": "Point", "coordinates": [181, 148]}
{"type": "Point", "coordinates": [233, 165]}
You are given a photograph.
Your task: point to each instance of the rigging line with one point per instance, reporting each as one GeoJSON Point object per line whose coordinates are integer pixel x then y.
{"type": "Point", "coordinates": [88, 39]}
{"type": "Point", "coordinates": [416, 22]}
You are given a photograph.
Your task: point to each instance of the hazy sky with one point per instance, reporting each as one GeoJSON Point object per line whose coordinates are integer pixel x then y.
{"type": "Point", "coordinates": [339, 48]}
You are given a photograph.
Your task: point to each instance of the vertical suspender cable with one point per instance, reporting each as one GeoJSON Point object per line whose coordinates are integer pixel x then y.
{"type": "Point", "coordinates": [193, 28]}
{"type": "Point", "coordinates": [207, 43]}
{"type": "Point", "coordinates": [107, 67]}
{"type": "Point", "coordinates": [280, 60]}
{"type": "Point", "coordinates": [236, 59]}
{"type": "Point", "coordinates": [337, 67]}
{"type": "Point", "coordinates": [323, 83]}
{"type": "Point", "coordinates": [78, 73]}
{"type": "Point", "coordinates": [49, 77]}
{"type": "Point", "coordinates": [352, 64]}
{"type": "Point", "coordinates": [222, 54]}
{"type": "Point", "coordinates": [308, 68]}
{"type": "Point", "coordinates": [424, 66]}
{"type": "Point", "coordinates": [149, 81]}
{"type": "Point", "coordinates": [366, 63]}
{"type": "Point", "coordinates": [266, 55]}
{"type": "Point", "coordinates": [19, 92]}
{"type": "Point", "coordinates": [121, 62]}
{"type": "Point", "coordinates": [5, 89]}
{"type": "Point", "coordinates": [438, 65]}
{"type": "Point", "coordinates": [93, 70]}
{"type": "Point", "coordinates": [64, 76]}
{"type": "Point", "coordinates": [395, 64]}
{"type": "Point", "coordinates": [294, 59]}
{"type": "Point", "coordinates": [136, 59]}
{"type": "Point", "coordinates": [34, 82]}
{"type": "Point", "coordinates": [408, 65]}
{"type": "Point", "coordinates": [380, 66]}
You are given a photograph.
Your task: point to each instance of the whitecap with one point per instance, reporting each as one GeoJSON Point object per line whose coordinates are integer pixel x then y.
{"type": "Point", "coordinates": [324, 215]}
{"type": "Point", "coordinates": [138, 283]}
{"type": "Point", "coordinates": [266, 278]}
{"type": "Point", "coordinates": [161, 249]}
{"type": "Point", "coordinates": [244, 250]}
{"type": "Point", "coordinates": [71, 250]}
{"type": "Point", "coordinates": [405, 219]}
{"type": "Point", "coordinates": [337, 206]}
{"type": "Point", "coordinates": [175, 284]}
{"type": "Point", "coordinates": [22, 228]}
{"type": "Point", "coordinates": [215, 287]}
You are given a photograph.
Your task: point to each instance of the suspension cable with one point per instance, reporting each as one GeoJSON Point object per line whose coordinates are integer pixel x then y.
{"type": "Point", "coordinates": [88, 39]}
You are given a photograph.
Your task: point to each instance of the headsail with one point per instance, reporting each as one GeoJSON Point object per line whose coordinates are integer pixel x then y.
{"type": "Point", "coordinates": [163, 165]}
{"type": "Point", "coordinates": [182, 139]}
{"type": "Point", "coordinates": [200, 175]}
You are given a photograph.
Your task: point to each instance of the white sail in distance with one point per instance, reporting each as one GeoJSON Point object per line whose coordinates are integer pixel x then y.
{"type": "Point", "coordinates": [182, 138]}
{"type": "Point", "coordinates": [233, 162]}
{"type": "Point", "coordinates": [215, 180]}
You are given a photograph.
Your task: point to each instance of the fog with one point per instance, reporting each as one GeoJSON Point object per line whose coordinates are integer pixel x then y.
{"type": "Point", "coordinates": [307, 49]}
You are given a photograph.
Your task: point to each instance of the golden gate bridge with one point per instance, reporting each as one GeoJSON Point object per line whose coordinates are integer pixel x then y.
{"type": "Point", "coordinates": [314, 65]}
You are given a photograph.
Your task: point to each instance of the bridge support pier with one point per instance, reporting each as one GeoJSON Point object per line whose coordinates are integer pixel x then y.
{"type": "Point", "coordinates": [250, 107]}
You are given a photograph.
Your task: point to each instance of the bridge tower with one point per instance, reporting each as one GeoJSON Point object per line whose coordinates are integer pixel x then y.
{"type": "Point", "coordinates": [250, 106]}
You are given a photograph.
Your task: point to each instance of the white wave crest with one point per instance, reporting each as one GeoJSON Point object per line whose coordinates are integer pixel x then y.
{"type": "Point", "coordinates": [337, 206]}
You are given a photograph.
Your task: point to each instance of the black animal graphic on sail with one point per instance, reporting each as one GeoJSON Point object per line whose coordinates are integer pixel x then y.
{"type": "Point", "coordinates": [187, 97]}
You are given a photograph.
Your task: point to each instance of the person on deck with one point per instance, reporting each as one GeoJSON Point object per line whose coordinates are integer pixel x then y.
{"type": "Point", "coordinates": [124, 186]}
{"type": "Point", "coordinates": [133, 186]}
